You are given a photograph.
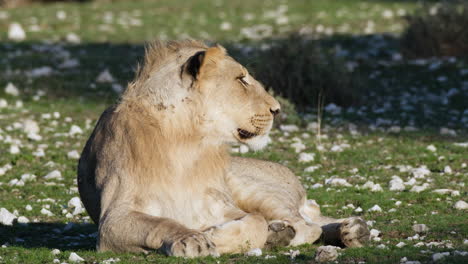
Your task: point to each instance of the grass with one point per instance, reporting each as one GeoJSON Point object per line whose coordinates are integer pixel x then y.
{"type": "Point", "coordinates": [426, 95]}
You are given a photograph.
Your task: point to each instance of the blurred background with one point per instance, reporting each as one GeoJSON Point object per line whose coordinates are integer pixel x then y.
{"type": "Point", "coordinates": [401, 61]}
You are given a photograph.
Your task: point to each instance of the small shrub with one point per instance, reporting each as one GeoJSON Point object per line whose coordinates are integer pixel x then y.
{"type": "Point", "coordinates": [439, 30]}
{"type": "Point", "coordinates": [298, 70]}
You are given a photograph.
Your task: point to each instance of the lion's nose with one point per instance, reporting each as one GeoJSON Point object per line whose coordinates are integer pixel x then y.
{"type": "Point", "coordinates": [275, 111]}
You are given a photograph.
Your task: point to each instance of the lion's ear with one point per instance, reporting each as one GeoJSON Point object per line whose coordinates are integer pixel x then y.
{"type": "Point", "coordinates": [202, 62]}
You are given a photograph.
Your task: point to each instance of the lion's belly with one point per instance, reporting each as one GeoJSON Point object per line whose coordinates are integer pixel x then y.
{"type": "Point", "coordinates": [197, 209]}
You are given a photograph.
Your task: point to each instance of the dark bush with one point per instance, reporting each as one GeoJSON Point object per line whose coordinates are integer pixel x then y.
{"type": "Point", "coordinates": [438, 30]}
{"type": "Point", "coordinates": [298, 70]}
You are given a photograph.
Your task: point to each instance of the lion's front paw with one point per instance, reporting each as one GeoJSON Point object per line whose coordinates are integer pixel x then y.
{"type": "Point", "coordinates": [354, 232]}
{"type": "Point", "coordinates": [280, 233]}
{"type": "Point", "coordinates": [192, 245]}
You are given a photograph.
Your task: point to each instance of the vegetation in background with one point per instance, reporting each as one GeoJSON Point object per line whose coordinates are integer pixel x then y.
{"type": "Point", "coordinates": [437, 30]}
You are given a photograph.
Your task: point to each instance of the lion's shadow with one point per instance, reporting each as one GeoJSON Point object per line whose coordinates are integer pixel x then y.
{"type": "Point", "coordinates": [71, 236]}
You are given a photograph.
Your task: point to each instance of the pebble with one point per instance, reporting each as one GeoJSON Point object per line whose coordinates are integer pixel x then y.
{"type": "Point", "coordinates": [326, 253]}
{"type": "Point", "coordinates": [46, 212]}
{"type": "Point", "coordinates": [74, 130]}
{"type": "Point", "coordinates": [375, 208]}
{"type": "Point", "coordinates": [16, 32]}
{"type": "Point", "coordinates": [289, 128]}
{"type": "Point", "coordinates": [448, 170]}
{"type": "Point", "coordinates": [396, 184]}
{"type": "Point", "coordinates": [439, 256]}
{"type": "Point", "coordinates": [420, 228]}
{"type": "Point", "coordinates": [75, 258]}
{"type": "Point", "coordinates": [23, 220]}
{"type": "Point", "coordinates": [11, 89]}
{"type": "Point", "coordinates": [6, 218]}
{"type": "Point", "coordinates": [105, 77]}
{"type": "Point", "coordinates": [55, 174]}
{"type": "Point", "coordinates": [243, 149]}
{"type": "Point", "coordinates": [306, 157]}
{"type": "Point", "coordinates": [55, 251]}
{"type": "Point", "coordinates": [461, 205]}
{"type": "Point", "coordinates": [337, 182]}
{"type": "Point", "coordinates": [400, 245]}
{"type": "Point", "coordinates": [73, 155]}
{"type": "Point", "coordinates": [256, 252]}
{"type": "Point", "coordinates": [431, 148]}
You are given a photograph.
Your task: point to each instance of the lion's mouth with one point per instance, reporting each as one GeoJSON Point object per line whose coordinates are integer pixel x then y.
{"type": "Point", "coordinates": [244, 134]}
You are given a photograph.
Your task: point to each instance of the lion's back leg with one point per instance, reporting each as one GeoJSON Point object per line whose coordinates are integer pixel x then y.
{"type": "Point", "coordinates": [275, 192]}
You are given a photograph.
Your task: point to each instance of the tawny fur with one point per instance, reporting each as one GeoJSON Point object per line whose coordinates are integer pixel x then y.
{"type": "Point", "coordinates": [156, 174]}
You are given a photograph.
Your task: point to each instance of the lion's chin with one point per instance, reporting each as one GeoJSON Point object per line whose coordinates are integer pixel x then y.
{"type": "Point", "coordinates": [258, 142]}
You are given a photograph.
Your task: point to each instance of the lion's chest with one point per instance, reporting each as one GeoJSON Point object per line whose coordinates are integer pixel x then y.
{"type": "Point", "coordinates": [196, 208]}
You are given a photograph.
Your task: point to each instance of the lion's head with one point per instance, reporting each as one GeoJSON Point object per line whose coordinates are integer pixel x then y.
{"type": "Point", "coordinates": [207, 88]}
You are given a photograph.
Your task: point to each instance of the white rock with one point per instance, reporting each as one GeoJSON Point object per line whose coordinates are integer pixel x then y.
{"type": "Point", "coordinates": [16, 182]}
{"type": "Point", "coordinates": [419, 188]}
{"type": "Point", "coordinates": [30, 126]}
{"type": "Point", "coordinates": [431, 148]}
{"type": "Point", "coordinates": [358, 210]}
{"type": "Point", "coordinates": [326, 253]}
{"type": "Point", "coordinates": [461, 205]}
{"type": "Point", "coordinates": [337, 182]}
{"type": "Point", "coordinates": [289, 128]}
{"type": "Point", "coordinates": [40, 72]}
{"type": "Point", "coordinates": [73, 38]}
{"type": "Point", "coordinates": [23, 220]}
{"type": "Point", "coordinates": [256, 252]}
{"type": "Point", "coordinates": [117, 88]}
{"type": "Point", "coordinates": [396, 184]}
{"type": "Point", "coordinates": [3, 103]}
{"type": "Point", "coordinates": [306, 157]}
{"type": "Point", "coordinates": [28, 207]}
{"type": "Point", "coordinates": [374, 233]}
{"type": "Point", "coordinates": [243, 149]}
{"type": "Point", "coordinates": [375, 208]}
{"type": "Point", "coordinates": [46, 212]}
{"type": "Point", "coordinates": [6, 218]}
{"type": "Point", "coordinates": [448, 170]}
{"type": "Point", "coordinates": [55, 174]}
{"type": "Point", "coordinates": [421, 172]}
{"type": "Point", "coordinates": [105, 77]}
{"type": "Point", "coordinates": [74, 130]}
{"type": "Point", "coordinates": [420, 228]}
{"type": "Point", "coordinates": [400, 245]}
{"type": "Point", "coordinates": [73, 155]}
{"type": "Point", "coordinates": [75, 258]}
{"type": "Point", "coordinates": [11, 89]}
{"type": "Point", "coordinates": [312, 168]}
{"type": "Point", "coordinates": [14, 149]}
{"type": "Point", "coordinates": [298, 146]}
{"type": "Point", "coordinates": [55, 251]}
{"type": "Point", "coordinates": [28, 177]}
{"type": "Point", "coordinates": [447, 132]}
{"type": "Point", "coordinates": [439, 256]}
{"type": "Point", "coordinates": [16, 32]}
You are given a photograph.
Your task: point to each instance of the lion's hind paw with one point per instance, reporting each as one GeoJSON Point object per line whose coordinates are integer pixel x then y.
{"type": "Point", "coordinates": [280, 233]}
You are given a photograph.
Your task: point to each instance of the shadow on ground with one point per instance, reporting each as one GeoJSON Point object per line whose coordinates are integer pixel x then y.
{"type": "Point", "coordinates": [50, 235]}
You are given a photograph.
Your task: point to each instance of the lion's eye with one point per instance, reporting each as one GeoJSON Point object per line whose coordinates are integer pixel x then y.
{"type": "Point", "coordinates": [243, 81]}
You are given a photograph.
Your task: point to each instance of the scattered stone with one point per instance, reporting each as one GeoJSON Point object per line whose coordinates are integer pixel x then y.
{"type": "Point", "coordinates": [306, 157]}
{"type": "Point", "coordinates": [75, 202]}
{"type": "Point", "coordinates": [6, 218]}
{"type": "Point", "coordinates": [374, 233]}
{"type": "Point", "coordinates": [46, 212]}
{"type": "Point", "coordinates": [419, 188]}
{"type": "Point", "coordinates": [73, 38]}
{"type": "Point", "coordinates": [256, 252]}
{"type": "Point", "coordinates": [28, 207]}
{"type": "Point", "coordinates": [375, 208]}
{"type": "Point", "coordinates": [74, 130]}
{"type": "Point", "coordinates": [73, 155]}
{"type": "Point", "coordinates": [420, 228]}
{"type": "Point", "coordinates": [11, 89]}
{"type": "Point", "coordinates": [105, 77]}
{"type": "Point", "coordinates": [75, 258]}
{"type": "Point", "coordinates": [431, 148]}
{"type": "Point", "coordinates": [55, 251]}
{"type": "Point", "coordinates": [337, 182]}
{"type": "Point", "coordinates": [289, 128]}
{"type": "Point", "coordinates": [16, 32]}
{"type": "Point", "coordinates": [448, 170]}
{"type": "Point", "coordinates": [461, 205]}
{"type": "Point", "coordinates": [23, 220]}
{"type": "Point", "coordinates": [326, 253]}
{"type": "Point", "coordinates": [447, 132]}
{"type": "Point", "coordinates": [439, 256]}
{"type": "Point", "coordinates": [400, 245]}
{"type": "Point", "coordinates": [243, 149]}
{"type": "Point", "coordinates": [55, 174]}
{"type": "Point", "coordinates": [396, 184]}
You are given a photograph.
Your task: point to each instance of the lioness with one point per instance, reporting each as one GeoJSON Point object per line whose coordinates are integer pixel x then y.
{"type": "Point", "coordinates": [156, 173]}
